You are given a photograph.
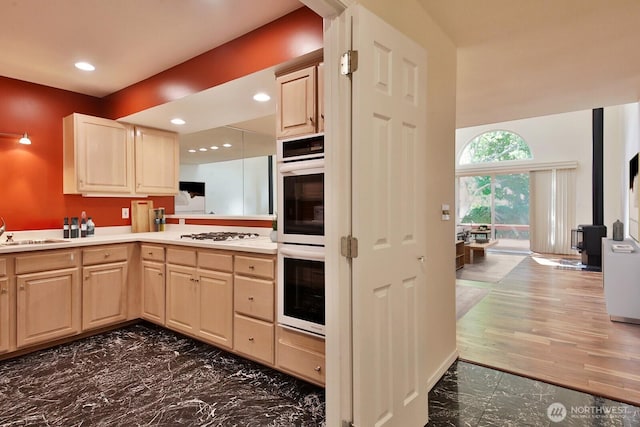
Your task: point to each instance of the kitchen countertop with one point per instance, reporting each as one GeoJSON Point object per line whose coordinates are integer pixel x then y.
{"type": "Point", "coordinates": [261, 244]}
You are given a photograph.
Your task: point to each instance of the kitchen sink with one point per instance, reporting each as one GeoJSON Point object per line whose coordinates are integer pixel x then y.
{"type": "Point", "coordinates": [32, 242]}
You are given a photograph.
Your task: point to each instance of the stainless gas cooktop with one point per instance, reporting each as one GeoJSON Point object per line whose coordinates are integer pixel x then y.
{"type": "Point", "coordinates": [220, 236]}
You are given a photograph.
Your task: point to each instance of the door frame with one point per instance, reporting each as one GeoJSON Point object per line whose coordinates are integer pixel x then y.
{"type": "Point", "coordinates": [337, 98]}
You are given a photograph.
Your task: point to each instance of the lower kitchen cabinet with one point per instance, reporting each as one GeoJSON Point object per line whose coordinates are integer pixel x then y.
{"type": "Point", "coordinates": [181, 299]}
{"type": "Point", "coordinates": [4, 313]}
{"type": "Point", "coordinates": [254, 338]}
{"type": "Point", "coordinates": [301, 354]}
{"type": "Point", "coordinates": [153, 292]}
{"type": "Point", "coordinates": [48, 306]}
{"type": "Point", "coordinates": [199, 297]}
{"type": "Point", "coordinates": [104, 295]}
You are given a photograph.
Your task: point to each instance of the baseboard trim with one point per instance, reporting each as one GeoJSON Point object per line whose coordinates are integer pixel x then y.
{"type": "Point", "coordinates": [433, 379]}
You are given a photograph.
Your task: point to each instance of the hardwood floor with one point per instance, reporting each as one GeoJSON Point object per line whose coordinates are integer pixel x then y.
{"type": "Point", "coordinates": [551, 324]}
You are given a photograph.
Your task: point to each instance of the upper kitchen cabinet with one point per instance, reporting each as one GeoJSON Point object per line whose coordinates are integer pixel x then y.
{"type": "Point", "coordinates": [103, 156]}
{"type": "Point", "coordinates": [297, 103]}
{"type": "Point", "coordinates": [98, 156]}
{"type": "Point", "coordinates": [157, 161]}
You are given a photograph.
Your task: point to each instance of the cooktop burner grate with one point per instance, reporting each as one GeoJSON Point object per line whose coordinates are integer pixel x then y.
{"type": "Point", "coordinates": [220, 236]}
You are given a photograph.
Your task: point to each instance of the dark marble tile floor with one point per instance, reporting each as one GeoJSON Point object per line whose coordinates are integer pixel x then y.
{"type": "Point", "coordinates": [144, 375]}
{"type": "Point", "coordinates": [472, 395]}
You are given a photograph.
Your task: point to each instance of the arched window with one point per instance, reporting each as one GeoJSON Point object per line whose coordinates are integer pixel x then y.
{"type": "Point", "coordinates": [495, 146]}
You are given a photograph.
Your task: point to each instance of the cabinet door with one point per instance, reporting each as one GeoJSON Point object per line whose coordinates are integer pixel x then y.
{"type": "Point", "coordinates": [254, 338]}
{"type": "Point", "coordinates": [157, 161]}
{"type": "Point", "coordinates": [4, 314]}
{"type": "Point", "coordinates": [104, 295]}
{"type": "Point", "coordinates": [98, 155]}
{"type": "Point", "coordinates": [296, 103]}
{"type": "Point", "coordinates": [181, 299]}
{"type": "Point", "coordinates": [320, 84]}
{"type": "Point", "coordinates": [48, 306]}
{"type": "Point", "coordinates": [153, 292]}
{"type": "Point", "coordinates": [216, 307]}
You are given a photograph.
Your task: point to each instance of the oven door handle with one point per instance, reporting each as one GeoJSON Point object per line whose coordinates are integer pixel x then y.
{"type": "Point", "coordinates": [301, 253]}
{"type": "Point", "coordinates": [302, 165]}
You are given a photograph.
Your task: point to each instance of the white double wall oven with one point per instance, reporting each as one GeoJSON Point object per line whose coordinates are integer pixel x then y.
{"type": "Point", "coordinates": [301, 272]}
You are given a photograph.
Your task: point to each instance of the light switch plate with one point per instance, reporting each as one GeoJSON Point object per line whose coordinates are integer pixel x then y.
{"type": "Point", "coordinates": [125, 213]}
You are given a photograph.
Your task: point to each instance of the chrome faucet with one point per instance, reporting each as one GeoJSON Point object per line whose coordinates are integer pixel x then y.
{"type": "Point", "coordinates": [4, 226]}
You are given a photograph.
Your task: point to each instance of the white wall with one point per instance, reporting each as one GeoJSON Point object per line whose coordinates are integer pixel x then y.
{"type": "Point", "coordinates": [558, 137]}
{"type": "Point", "coordinates": [631, 137]}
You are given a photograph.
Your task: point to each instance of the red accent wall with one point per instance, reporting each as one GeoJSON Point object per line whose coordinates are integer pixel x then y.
{"type": "Point", "coordinates": [296, 34]}
{"type": "Point", "coordinates": [31, 176]}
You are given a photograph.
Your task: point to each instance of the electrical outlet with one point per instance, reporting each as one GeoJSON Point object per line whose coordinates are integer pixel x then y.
{"type": "Point", "coordinates": [125, 213]}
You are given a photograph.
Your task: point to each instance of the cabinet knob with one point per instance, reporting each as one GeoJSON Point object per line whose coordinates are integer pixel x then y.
{"type": "Point", "coordinates": [149, 253]}
{"type": "Point", "coordinates": [250, 298]}
{"type": "Point", "coordinates": [311, 120]}
{"type": "Point", "coordinates": [3, 291]}
{"type": "Point", "coordinates": [22, 287]}
{"type": "Point", "coordinates": [251, 267]}
{"type": "Point", "coordinates": [317, 368]}
{"type": "Point", "coordinates": [107, 255]}
{"type": "Point", "coordinates": [251, 339]}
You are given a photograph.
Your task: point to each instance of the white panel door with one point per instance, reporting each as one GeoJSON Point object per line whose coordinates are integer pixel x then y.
{"type": "Point", "coordinates": [389, 285]}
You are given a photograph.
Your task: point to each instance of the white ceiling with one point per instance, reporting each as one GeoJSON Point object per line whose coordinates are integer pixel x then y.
{"type": "Point", "coordinates": [516, 58]}
{"type": "Point", "coordinates": [127, 40]}
{"type": "Point", "coordinates": [526, 58]}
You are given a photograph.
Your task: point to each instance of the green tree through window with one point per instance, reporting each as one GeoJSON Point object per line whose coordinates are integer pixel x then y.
{"type": "Point", "coordinates": [495, 146]}
{"type": "Point", "coordinates": [498, 199]}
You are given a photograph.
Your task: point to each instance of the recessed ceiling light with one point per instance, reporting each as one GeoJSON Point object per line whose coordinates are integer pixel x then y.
{"type": "Point", "coordinates": [261, 97]}
{"type": "Point", "coordinates": [202, 149]}
{"type": "Point", "coordinates": [84, 66]}
{"type": "Point", "coordinates": [192, 150]}
{"type": "Point", "coordinates": [178, 121]}
{"type": "Point", "coordinates": [214, 147]}
{"type": "Point", "coordinates": [227, 145]}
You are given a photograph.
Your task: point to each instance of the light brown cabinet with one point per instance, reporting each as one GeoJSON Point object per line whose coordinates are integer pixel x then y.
{"type": "Point", "coordinates": [199, 298]}
{"type": "Point", "coordinates": [153, 284]}
{"type": "Point", "coordinates": [254, 307]}
{"type": "Point", "coordinates": [49, 297]}
{"type": "Point", "coordinates": [4, 307]}
{"type": "Point", "coordinates": [157, 154]}
{"type": "Point", "coordinates": [104, 286]}
{"type": "Point", "coordinates": [97, 156]}
{"type": "Point", "coordinates": [102, 156]}
{"type": "Point", "coordinates": [297, 112]}
{"type": "Point", "coordinates": [320, 90]}
{"type": "Point", "coordinates": [300, 354]}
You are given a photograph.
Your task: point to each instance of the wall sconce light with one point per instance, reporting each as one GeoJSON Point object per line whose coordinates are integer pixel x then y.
{"type": "Point", "coordinates": [24, 138]}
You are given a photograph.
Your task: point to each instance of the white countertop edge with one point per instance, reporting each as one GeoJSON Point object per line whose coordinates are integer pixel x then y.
{"type": "Point", "coordinates": [112, 235]}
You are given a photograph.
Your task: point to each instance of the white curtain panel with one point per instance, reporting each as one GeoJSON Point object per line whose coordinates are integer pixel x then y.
{"type": "Point", "coordinates": [552, 210]}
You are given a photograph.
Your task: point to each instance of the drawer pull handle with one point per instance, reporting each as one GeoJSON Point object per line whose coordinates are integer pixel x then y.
{"type": "Point", "coordinates": [317, 368]}
{"type": "Point", "coordinates": [250, 298]}
{"type": "Point", "coordinates": [251, 339]}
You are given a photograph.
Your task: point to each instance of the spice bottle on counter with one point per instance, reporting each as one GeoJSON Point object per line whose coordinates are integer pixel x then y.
{"type": "Point", "coordinates": [91, 228]}
{"type": "Point", "coordinates": [74, 232]}
{"type": "Point", "coordinates": [65, 228]}
{"type": "Point", "coordinates": [83, 224]}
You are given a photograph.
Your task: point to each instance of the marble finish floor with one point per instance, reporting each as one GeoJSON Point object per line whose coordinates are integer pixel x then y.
{"type": "Point", "coordinates": [144, 375]}
{"type": "Point", "coordinates": [473, 395]}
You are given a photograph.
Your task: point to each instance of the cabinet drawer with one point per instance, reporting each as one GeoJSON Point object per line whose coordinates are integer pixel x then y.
{"type": "Point", "coordinates": [301, 354]}
{"type": "Point", "coordinates": [215, 261]}
{"type": "Point", "coordinates": [254, 266]}
{"type": "Point", "coordinates": [104, 254]}
{"type": "Point", "coordinates": [3, 267]}
{"type": "Point", "coordinates": [253, 338]}
{"type": "Point", "coordinates": [50, 260]}
{"type": "Point", "coordinates": [181, 256]}
{"type": "Point", "coordinates": [254, 297]}
{"type": "Point", "coordinates": [152, 253]}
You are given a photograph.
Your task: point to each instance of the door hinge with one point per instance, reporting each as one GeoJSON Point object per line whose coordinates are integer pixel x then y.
{"type": "Point", "coordinates": [349, 247]}
{"type": "Point", "coordinates": [349, 62]}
